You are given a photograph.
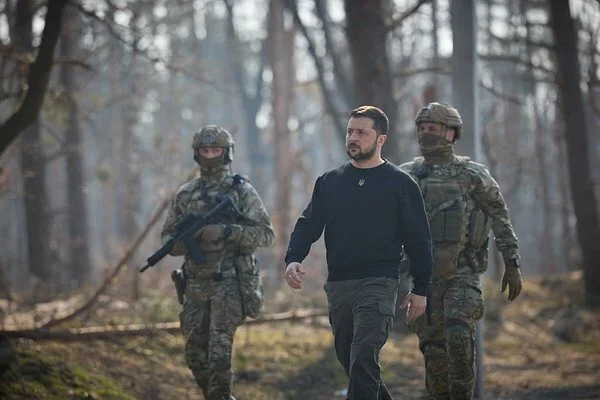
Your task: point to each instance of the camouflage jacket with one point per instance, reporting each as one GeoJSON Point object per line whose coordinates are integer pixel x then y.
{"type": "Point", "coordinates": [463, 202]}
{"type": "Point", "coordinates": [198, 196]}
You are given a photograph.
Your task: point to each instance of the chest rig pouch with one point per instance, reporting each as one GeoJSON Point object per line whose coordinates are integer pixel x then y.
{"type": "Point", "coordinates": [447, 202]}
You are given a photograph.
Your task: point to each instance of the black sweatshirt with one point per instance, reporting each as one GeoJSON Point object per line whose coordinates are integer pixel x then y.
{"type": "Point", "coordinates": [368, 215]}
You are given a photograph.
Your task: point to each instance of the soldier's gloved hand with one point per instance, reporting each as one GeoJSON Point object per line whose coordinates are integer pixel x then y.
{"type": "Point", "coordinates": [179, 249]}
{"type": "Point", "coordinates": [211, 237]}
{"type": "Point", "coordinates": [220, 232]}
{"type": "Point", "coordinates": [513, 279]}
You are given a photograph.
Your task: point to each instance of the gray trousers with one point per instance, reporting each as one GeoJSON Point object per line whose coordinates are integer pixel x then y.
{"type": "Point", "coordinates": [361, 312]}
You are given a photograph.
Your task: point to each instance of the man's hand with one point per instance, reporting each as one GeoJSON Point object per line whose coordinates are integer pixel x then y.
{"type": "Point", "coordinates": [292, 275]}
{"type": "Point", "coordinates": [416, 306]}
{"type": "Point", "coordinates": [512, 277]}
{"type": "Point", "coordinates": [211, 237]}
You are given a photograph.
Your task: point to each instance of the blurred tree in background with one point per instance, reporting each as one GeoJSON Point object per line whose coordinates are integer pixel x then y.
{"type": "Point", "coordinates": [99, 101]}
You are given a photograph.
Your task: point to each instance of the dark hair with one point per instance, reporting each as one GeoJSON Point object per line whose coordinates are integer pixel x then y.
{"type": "Point", "coordinates": [381, 124]}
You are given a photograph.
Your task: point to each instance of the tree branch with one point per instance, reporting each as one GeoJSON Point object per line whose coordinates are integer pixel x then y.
{"type": "Point", "coordinates": [113, 276]}
{"type": "Point", "coordinates": [398, 21]}
{"type": "Point", "coordinates": [38, 77]}
{"type": "Point", "coordinates": [111, 331]}
{"type": "Point", "coordinates": [145, 54]}
{"type": "Point", "coordinates": [416, 71]}
{"type": "Point", "coordinates": [524, 40]}
{"type": "Point", "coordinates": [341, 78]}
{"type": "Point", "coordinates": [327, 95]}
{"type": "Point", "coordinates": [517, 60]}
{"type": "Point", "coordinates": [500, 95]}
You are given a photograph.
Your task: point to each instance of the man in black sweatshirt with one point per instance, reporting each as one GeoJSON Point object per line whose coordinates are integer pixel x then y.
{"type": "Point", "coordinates": [370, 211]}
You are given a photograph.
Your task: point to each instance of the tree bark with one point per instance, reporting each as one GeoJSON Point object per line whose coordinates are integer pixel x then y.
{"type": "Point", "coordinates": [373, 84]}
{"type": "Point", "coordinates": [582, 188]}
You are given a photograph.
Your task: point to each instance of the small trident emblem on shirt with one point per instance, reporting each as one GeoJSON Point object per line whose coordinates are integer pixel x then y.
{"type": "Point", "coordinates": [361, 182]}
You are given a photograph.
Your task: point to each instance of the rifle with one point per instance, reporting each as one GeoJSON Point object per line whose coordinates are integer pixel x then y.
{"type": "Point", "coordinates": [186, 230]}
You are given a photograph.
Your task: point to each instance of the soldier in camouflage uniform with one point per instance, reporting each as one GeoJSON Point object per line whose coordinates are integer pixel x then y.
{"type": "Point", "coordinates": [463, 202]}
{"type": "Point", "coordinates": [226, 287]}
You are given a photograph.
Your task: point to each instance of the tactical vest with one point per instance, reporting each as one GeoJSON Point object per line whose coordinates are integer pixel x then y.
{"type": "Point", "coordinates": [202, 198]}
{"type": "Point", "coordinates": [459, 229]}
{"type": "Point", "coordinates": [232, 265]}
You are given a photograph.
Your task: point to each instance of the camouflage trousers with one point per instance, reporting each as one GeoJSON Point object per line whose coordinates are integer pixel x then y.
{"type": "Point", "coordinates": [448, 343]}
{"type": "Point", "coordinates": [209, 323]}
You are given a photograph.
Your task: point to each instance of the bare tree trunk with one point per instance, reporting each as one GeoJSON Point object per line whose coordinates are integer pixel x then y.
{"type": "Point", "coordinates": [79, 258]}
{"type": "Point", "coordinates": [547, 259]}
{"type": "Point", "coordinates": [251, 102]}
{"type": "Point", "coordinates": [582, 188]}
{"type": "Point", "coordinates": [130, 157]}
{"type": "Point", "coordinates": [33, 167]}
{"type": "Point", "coordinates": [436, 51]}
{"type": "Point", "coordinates": [103, 147]}
{"type": "Point", "coordinates": [464, 86]}
{"type": "Point", "coordinates": [569, 242]}
{"type": "Point", "coordinates": [373, 84]}
{"type": "Point", "coordinates": [281, 60]}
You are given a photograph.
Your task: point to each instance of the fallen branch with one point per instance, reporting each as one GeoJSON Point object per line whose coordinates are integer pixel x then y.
{"type": "Point", "coordinates": [120, 265]}
{"type": "Point", "coordinates": [112, 331]}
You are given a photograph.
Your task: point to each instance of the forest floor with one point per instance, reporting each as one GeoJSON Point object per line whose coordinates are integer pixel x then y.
{"type": "Point", "coordinates": [542, 346]}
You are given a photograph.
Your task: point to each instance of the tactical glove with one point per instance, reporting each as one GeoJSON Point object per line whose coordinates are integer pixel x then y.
{"type": "Point", "coordinates": [179, 249]}
{"type": "Point", "coordinates": [512, 278]}
{"type": "Point", "coordinates": [214, 237]}
{"type": "Point", "coordinates": [211, 237]}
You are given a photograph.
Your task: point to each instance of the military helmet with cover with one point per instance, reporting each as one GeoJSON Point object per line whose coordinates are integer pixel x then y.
{"type": "Point", "coordinates": [214, 136]}
{"type": "Point", "coordinates": [443, 114]}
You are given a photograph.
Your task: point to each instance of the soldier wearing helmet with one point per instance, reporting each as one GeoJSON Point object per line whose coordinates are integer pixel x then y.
{"type": "Point", "coordinates": [213, 147]}
{"type": "Point", "coordinates": [463, 203]}
{"type": "Point", "coordinates": [224, 289]}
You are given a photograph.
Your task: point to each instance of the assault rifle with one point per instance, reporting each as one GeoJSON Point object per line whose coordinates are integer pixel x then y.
{"type": "Point", "coordinates": [186, 230]}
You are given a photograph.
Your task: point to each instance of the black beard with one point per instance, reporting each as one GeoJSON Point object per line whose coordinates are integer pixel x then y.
{"type": "Point", "coordinates": [362, 155]}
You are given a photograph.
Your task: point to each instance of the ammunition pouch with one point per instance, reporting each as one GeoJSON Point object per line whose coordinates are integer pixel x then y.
{"type": "Point", "coordinates": [477, 249]}
{"type": "Point", "coordinates": [251, 288]}
{"type": "Point", "coordinates": [446, 230]}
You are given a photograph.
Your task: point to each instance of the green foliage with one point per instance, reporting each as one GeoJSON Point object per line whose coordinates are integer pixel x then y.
{"type": "Point", "coordinates": [27, 374]}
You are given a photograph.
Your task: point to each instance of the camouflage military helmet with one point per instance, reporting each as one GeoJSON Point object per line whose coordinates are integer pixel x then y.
{"type": "Point", "coordinates": [214, 136]}
{"type": "Point", "coordinates": [443, 114]}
